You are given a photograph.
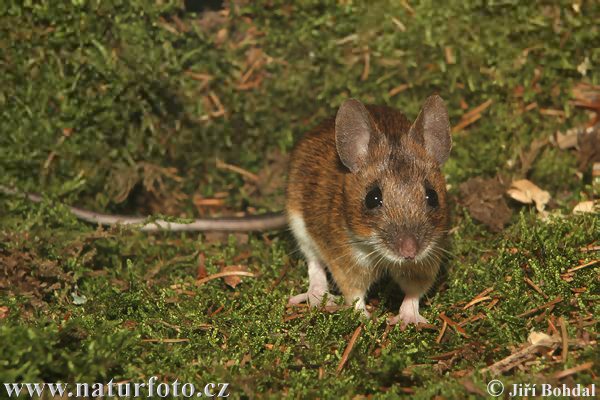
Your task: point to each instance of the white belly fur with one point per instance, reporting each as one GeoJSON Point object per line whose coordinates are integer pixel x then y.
{"type": "Point", "coordinates": [305, 241]}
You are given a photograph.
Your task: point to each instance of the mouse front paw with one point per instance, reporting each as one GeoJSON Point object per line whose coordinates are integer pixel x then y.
{"type": "Point", "coordinates": [314, 298]}
{"type": "Point", "coordinates": [405, 320]}
{"type": "Point", "coordinates": [409, 313]}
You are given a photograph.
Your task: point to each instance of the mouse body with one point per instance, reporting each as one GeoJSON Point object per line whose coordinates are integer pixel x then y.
{"type": "Point", "coordinates": [365, 197]}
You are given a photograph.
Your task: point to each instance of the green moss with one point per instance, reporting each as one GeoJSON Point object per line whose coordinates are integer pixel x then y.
{"type": "Point", "coordinates": [99, 109]}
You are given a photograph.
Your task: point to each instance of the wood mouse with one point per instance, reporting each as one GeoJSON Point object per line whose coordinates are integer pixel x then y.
{"type": "Point", "coordinates": [366, 196]}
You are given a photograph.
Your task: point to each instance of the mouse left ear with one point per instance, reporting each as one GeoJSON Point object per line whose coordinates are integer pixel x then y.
{"type": "Point", "coordinates": [432, 129]}
{"type": "Point", "coordinates": [353, 130]}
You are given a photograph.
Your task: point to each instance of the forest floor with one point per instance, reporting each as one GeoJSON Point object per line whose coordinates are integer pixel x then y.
{"type": "Point", "coordinates": [156, 110]}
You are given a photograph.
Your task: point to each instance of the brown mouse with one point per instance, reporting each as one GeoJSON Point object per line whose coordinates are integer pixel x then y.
{"type": "Point", "coordinates": [366, 196]}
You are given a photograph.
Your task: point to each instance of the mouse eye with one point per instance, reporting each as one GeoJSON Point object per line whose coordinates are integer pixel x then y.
{"type": "Point", "coordinates": [431, 197]}
{"type": "Point", "coordinates": [374, 198]}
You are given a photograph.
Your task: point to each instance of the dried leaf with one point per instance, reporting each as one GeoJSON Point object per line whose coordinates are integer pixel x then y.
{"type": "Point", "coordinates": [78, 299]}
{"type": "Point", "coordinates": [4, 312]}
{"type": "Point", "coordinates": [542, 339]}
{"type": "Point", "coordinates": [589, 148]}
{"type": "Point", "coordinates": [526, 192]}
{"type": "Point", "coordinates": [233, 280]}
{"type": "Point", "coordinates": [568, 139]}
{"type": "Point", "coordinates": [484, 198]}
{"type": "Point", "coordinates": [536, 341]}
{"type": "Point", "coordinates": [584, 207]}
{"type": "Point", "coordinates": [584, 67]}
{"type": "Point", "coordinates": [201, 270]}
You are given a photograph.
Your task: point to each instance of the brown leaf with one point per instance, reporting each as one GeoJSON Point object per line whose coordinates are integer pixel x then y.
{"type": "Point", "coordinates": [484, 199]}
{"type": "Point", "coordinates": [4, 312]}
{"type": "Point", "coordinates": [27, 273]}
{"type": "Point", "coordinates": [245, 359]}
{"type": "Point", "coordinates": [526, 192]}
{"type": "Point", "coordinates": [201, 271]}
{"type": "Point", "coordinates": [589, 148]}
{"type": "Point", "coordinates": [584, 207]}
{"type": "Point", "coordinates": [541, 339]}
{"type": "Point", "coordinates": [233, 280]}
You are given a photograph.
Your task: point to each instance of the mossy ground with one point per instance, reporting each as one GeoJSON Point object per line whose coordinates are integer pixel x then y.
{"type": "Point", "coordinates": [124, 107]}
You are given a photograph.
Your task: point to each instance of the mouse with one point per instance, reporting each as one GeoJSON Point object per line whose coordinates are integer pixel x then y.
{"type": "Point", "coordinates": [366, 198]}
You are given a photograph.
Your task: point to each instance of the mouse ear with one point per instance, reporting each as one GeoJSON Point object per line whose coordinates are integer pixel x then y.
{"type": "Point", "coordinates": [353, 129]}
{"type": "Point", "coordinates": [432, 129]}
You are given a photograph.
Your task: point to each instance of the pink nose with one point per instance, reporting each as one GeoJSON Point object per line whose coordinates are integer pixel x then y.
{"type": "Point", "coordinates": [408, 246]}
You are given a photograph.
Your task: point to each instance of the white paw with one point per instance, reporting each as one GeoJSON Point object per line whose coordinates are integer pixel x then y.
{"type": "Point", "coordinates": [361, 308]}
{"type": "Point", "coordinates": [405, 319]}
{"type": "Point", "coordinates": [409, 313]}
{"type": "Point", "coordinates": [314, 298]}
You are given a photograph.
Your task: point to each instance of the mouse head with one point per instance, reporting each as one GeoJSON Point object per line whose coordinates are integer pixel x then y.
{"type": "Point", "coordinates": [394, 193]}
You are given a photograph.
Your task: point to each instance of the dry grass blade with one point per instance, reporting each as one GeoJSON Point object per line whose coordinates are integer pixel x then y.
{"type": "Point", "coordinates": [565, 339]}
{"type": "Point", "coordinates": [399, 24]}
{"type": "Point", "coordinates": [552, 113]}
{"type": "Point", "coordinates": [449, 54]}
{"type": "Point", "coordinates": [454, 325]}
{"type": "Point", "coordinates": [349, 348]}
{"type": "Point", "coordinates": [536, 342]}
{"type": "Point", "coordinates": [535, 287]}
{"type": "Point", "coordinates": [222, 275]}
{"type": "Point", "coordinates": [399, 89]}
{"type": "Point", "coordinates": [367, 69]}
{"type": "Point", "coordinates": [574, 370]}
{"type": "Point", "coordinates": [199, 76]}
{"type": "Point", "coordinates": [469, 320]}
{"type": "Point", "coordinates": [292, 317]}
{"type": "Point", "coordinates": [239, 170]}
{"type": "Point", "coordinates": [582, 266]}
{"type": "Point", "coordinates": [442, 331]}
{"type": "Point", "coordinates": [407, 7]}
{"type": "Point", "coordinates": [543, 306]}
{"type": "Point", "coordinates": [590, 248]}
{"type": "Point", "coordinates": [165, 340]}
{"type": "Point", "coordinates": [475, 301]}
{"type": "Point", "coordinates": [472, 116]}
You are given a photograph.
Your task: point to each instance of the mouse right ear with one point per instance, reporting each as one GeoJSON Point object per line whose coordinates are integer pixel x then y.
{"type": "Point", "coordinates": [432, 129]}
{"type": "Point", "coordinates": [353, 130]}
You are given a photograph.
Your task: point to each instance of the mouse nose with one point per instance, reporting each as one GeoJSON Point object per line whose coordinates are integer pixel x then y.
{"type": "Point", "coordinates": [408, 246]}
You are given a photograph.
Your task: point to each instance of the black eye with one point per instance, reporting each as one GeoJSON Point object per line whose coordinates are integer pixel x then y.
{"type": "Point", "coordinates": [374, 198]}
{"type": "Point", "coordinates": [431, 197]}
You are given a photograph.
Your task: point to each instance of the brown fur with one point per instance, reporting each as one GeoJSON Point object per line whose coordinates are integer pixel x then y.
{"type": "Point", "coordinates": [330, 199]}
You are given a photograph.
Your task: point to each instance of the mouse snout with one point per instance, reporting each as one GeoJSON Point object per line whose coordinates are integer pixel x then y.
{"type": "Point", "coordinates": [407, 246]}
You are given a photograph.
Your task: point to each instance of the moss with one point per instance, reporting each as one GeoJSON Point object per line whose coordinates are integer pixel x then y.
{"type": "Point", "coordinates": [101, 108]}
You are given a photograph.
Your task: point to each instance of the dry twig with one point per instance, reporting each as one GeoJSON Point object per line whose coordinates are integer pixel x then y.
{"type": "Point", "coordinates": [222, 275]}
{"type": "Point", "coordinates": [349, 348]}
{"type": "Point", "coordinates": [543, 306]}
{"type": "Point", "coordinates": [471, 116]}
